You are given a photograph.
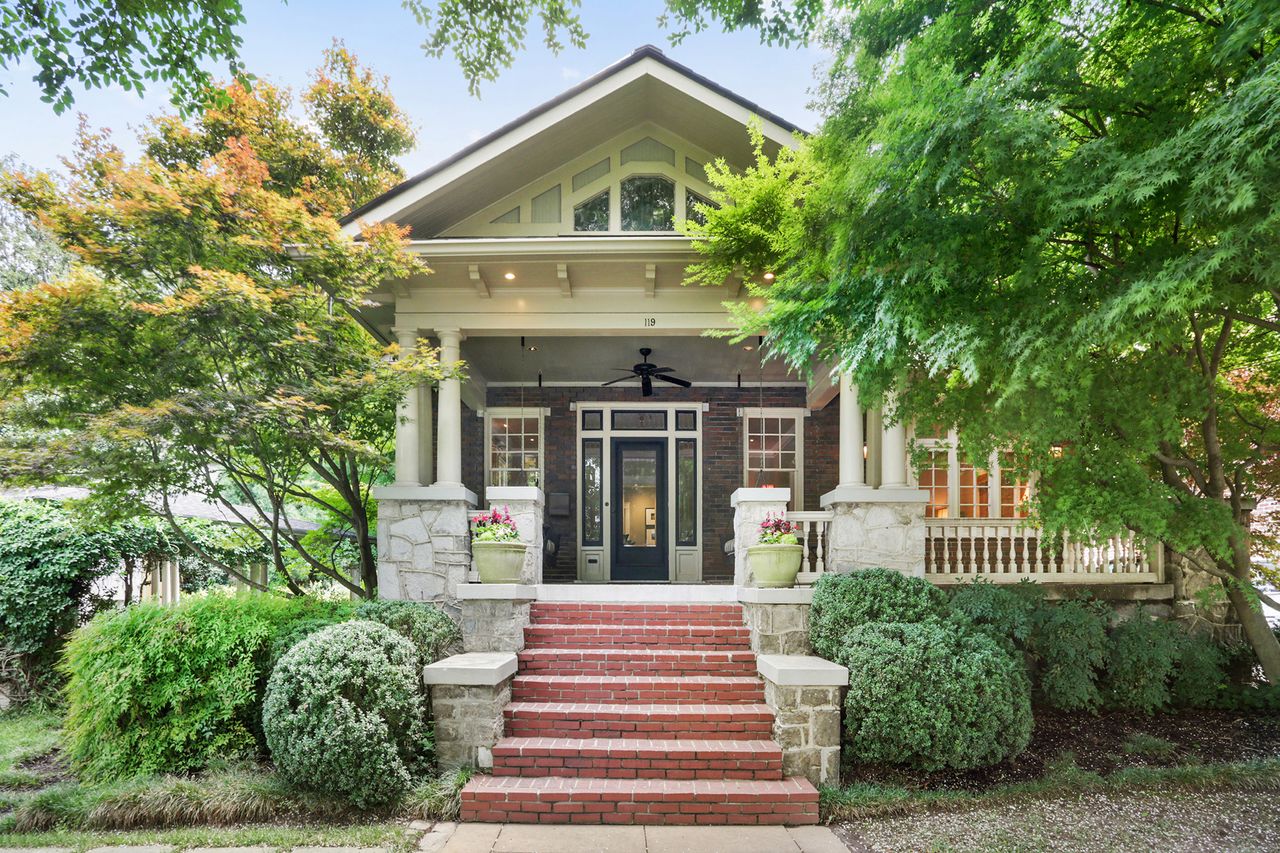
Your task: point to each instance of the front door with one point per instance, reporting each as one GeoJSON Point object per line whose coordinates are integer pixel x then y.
{"type": "Point", "coordinates": [639, 515]}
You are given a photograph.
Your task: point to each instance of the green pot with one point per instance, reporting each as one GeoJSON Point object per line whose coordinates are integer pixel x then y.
{"type": "Point", "coordinates": [775, 565]}
{"type": "Point", "coordinates": [499, 562]}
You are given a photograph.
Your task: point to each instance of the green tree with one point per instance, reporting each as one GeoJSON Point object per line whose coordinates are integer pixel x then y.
{"type": "Point", "coordinates": [128, 44]}
{"type": "Point", "coordinates": [201, 343]}
{"type": "Point", "coordinates": [1054, 226]}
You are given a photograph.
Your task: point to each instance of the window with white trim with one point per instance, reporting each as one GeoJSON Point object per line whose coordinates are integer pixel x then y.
{"type": "Point", "coordinates": [513, 439]}
{"type": "Point", "coordinates": [773, 451]}
{"type": "Point", "coordinates": [959, 489]}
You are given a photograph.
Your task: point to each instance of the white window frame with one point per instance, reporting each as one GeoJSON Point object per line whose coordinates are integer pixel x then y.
{"type": "Point", "coordinates": [515, 412]}
{"type": "Point", "coordinates": [995, 483]}
{"type": "Point", "coordinates": [798, 414]}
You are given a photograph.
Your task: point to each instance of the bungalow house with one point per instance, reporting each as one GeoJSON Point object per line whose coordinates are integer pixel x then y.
{"type": "Point", "coordinates": [638, 456]}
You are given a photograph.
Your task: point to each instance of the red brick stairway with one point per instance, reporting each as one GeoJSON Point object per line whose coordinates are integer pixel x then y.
{"type": "Point", "coordinates": [638, 713]}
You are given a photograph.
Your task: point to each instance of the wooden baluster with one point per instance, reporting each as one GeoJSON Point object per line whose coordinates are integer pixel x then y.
{"type": "Point", "coordinates": [820, 529]}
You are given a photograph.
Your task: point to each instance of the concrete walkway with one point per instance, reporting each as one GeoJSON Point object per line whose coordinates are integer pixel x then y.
{"type": "Point", "coordinates": [525, 838]}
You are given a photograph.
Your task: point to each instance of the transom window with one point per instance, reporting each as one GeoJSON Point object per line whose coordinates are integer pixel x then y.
{"type": "Point", "coordinates": [648, 203]}
{"type": "Point", "coordinates": [773, 450]}
{"type": "Point", "coordinates": [514, 441]}
{"type": "Point", "coordinates": [959, 489]}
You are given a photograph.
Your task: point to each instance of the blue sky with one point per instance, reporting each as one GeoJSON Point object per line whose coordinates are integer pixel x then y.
{"type": "Point", "coordinates": [284, 42]}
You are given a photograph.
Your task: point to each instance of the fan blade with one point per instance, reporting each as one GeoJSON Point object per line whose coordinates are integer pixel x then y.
{"type": "Point", "coordinates": [646, 386]}
{"type": "Point", "coordinates": [675, 380]}
{"type": "Point", "coordinates": [616, 381]}
{"type": "Point", "coordinates": [624, 369]}
{"type": "Point", "coordinates": [663, 370]}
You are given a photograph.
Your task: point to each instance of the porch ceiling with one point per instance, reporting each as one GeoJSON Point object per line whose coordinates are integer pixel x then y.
{"type": "Point", "coordinates": [589, 360]}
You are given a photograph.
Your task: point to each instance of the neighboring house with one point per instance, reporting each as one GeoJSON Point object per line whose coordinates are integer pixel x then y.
{"type": "Point", "coordinates": [556, 264]}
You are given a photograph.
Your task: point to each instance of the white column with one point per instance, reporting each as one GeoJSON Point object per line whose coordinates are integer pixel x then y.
{"type": "Point", "coordinates": [893, 454]}
{"type": "Point", "coordinates": [426, 436]}
{"type": "Point", "coordinates": [449, 414]}
{"type": "Point", "coordinates": [851, 467]}
{"type": "Point", "coordinates": [407, 420]}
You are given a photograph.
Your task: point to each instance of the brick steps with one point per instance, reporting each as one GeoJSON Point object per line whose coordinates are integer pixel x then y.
{"type": "Point", "coordinates": [545, 799]}
{"type": "Point", "coordinates": [591, 720]}
{"type": "Point", "coordinates": [623, 758]}
{"type": "Point", "coordinates": [638, 714]}
{"type": "Point", "coordinates": [689, 637]}
{"type": "Point", "coordinates": [696, 690]}
{"type": "Point", "coordinates": [725, 615]}
{"type": "Point", "coordinates": [613, 661]}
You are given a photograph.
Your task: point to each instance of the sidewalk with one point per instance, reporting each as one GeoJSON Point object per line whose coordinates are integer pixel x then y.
{"type": "Point", "coordinates": [525, 838]}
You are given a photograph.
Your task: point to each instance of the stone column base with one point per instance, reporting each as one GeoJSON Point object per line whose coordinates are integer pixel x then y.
{"type": "Point", "coordinates": [806, 695]}
{"type": "Point", "coordinates": [876, 528]}
{"type": "Point", "coordinates": [468, 693]}
{"type": "Point", "coordinates": [424, 542]}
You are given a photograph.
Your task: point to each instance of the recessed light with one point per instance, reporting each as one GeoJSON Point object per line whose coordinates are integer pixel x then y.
{"type": "Point", "coordinates": [509, 276]}
{"type": "Point", "coordinates": [768, 276]}
{"type": "Point", "coordinates": [748, 347]}
{"type": "Point", "coordinates": [533, 348]}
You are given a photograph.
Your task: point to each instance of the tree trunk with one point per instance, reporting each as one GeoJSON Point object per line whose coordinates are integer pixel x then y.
{"type": "Point", "coordinates": [1257, 631]}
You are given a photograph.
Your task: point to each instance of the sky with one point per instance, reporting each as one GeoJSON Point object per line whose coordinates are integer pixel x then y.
{"type": "Point", "coordinates": [283, 42]}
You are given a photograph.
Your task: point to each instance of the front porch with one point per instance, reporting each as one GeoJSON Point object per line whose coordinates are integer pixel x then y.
{"type": "Point", "coordinates": [622, 496]}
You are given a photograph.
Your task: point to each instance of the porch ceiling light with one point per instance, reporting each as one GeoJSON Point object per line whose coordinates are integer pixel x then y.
{"type": "Point", "coordinates": [509, 276]}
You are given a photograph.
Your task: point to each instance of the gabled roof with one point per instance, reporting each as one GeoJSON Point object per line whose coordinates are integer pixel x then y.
{"type": "Point", "coordinates": [620, 83]}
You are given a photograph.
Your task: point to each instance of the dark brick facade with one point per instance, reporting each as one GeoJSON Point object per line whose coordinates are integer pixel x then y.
{"type": "Point", "coordinates": [721, 454]}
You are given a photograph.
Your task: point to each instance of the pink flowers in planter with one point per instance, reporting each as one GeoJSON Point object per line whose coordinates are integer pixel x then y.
{"type": "Point", "coordinates": [776, 530]}
{"type": "Point", "coordinates": [496, 525]}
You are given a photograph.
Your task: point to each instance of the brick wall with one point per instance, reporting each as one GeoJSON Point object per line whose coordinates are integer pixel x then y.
{"type": "Point", "coordinates": [721, 455]}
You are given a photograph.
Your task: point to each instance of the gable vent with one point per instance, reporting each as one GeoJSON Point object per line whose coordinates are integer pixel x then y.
{"type": "Point", "coordinates": [591, 173]}
{"type": "Point", "coordinates": [546, 207]}
{"type": "Point", "coordinates": [511, 217]}
{"type": "Point", "coordinates": [648, 150]}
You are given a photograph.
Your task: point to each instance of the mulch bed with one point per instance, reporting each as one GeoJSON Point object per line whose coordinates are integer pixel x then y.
{"type": "Point", "coordinates": [1097, 744]}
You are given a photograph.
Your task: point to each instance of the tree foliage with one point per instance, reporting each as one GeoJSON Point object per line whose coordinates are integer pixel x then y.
{"type": "Point", "coordinates": [130, 44]}
{"type": "Point", "coordinates": [1053, 226]}
{"type": "Point", "coordinates": [484, 36]}
{"type": "Point", "coordinates": [203, 343]}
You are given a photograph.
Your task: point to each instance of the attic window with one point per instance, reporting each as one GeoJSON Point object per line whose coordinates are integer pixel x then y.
{"type": "Point", "coordinates": [692, 211]}
{"type": "Point", "coordinates": [592, 214]}
{"type": "Point", "coordinates": [648, 203]}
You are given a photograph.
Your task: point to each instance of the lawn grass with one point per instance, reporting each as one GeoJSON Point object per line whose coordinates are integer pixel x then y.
{"type": "Point", "coordinates": [388, 835]}
{"type": "Point", "coordinates": [866, 800]}
{"type": "Point", "coordinates": [25, 735]}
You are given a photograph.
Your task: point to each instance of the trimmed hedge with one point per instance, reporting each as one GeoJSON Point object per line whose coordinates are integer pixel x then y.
{"type": "Point", "coordinates": [845, 602]}
{"type": "Point", "coordinates": [154, 689]}
{"type": "Point", "coordinates": [932, 695]}
{"type": "Point", "coordinates": [344, 714]}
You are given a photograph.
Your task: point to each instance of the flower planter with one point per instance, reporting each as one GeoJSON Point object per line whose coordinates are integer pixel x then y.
{"type": "Point", "coordinates": [499, 562]}
{"type": "Point", "coordinates": [775, 565]}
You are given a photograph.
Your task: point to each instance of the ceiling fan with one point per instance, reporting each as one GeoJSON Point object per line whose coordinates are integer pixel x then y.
{"type": "Point", "coordinates": [647, 373]}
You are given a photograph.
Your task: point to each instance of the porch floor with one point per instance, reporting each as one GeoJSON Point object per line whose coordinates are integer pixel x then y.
{"type": "Point", "coordinates": [638, 592]}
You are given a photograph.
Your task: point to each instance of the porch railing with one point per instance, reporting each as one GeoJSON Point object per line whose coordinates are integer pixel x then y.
{"type": "Point", "coordinates": [1008, 550]}
{"type": "Point", "coordinates": [1002, 550]}
{"type": "Point", "coordinates": [814, 527]}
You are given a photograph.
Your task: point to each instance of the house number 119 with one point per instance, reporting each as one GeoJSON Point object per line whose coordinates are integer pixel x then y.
{"type": "Point", "coordinates": [650, 322]}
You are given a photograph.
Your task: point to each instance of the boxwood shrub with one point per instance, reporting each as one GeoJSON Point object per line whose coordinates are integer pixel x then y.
{"type": "Point", "coordinates": [432, 633]}
{"type": "Point", "coordinates": [344, 714]}
{"type": "Point", "coordinates": [933, 695]}
{"type": "Point", "coordinates": [844, 602]}
{"type": "Point", "coordinates": [154, 689]}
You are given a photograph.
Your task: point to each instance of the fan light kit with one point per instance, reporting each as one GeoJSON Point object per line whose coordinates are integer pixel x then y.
{"type": "Point", "coordinates": [647, 373]}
